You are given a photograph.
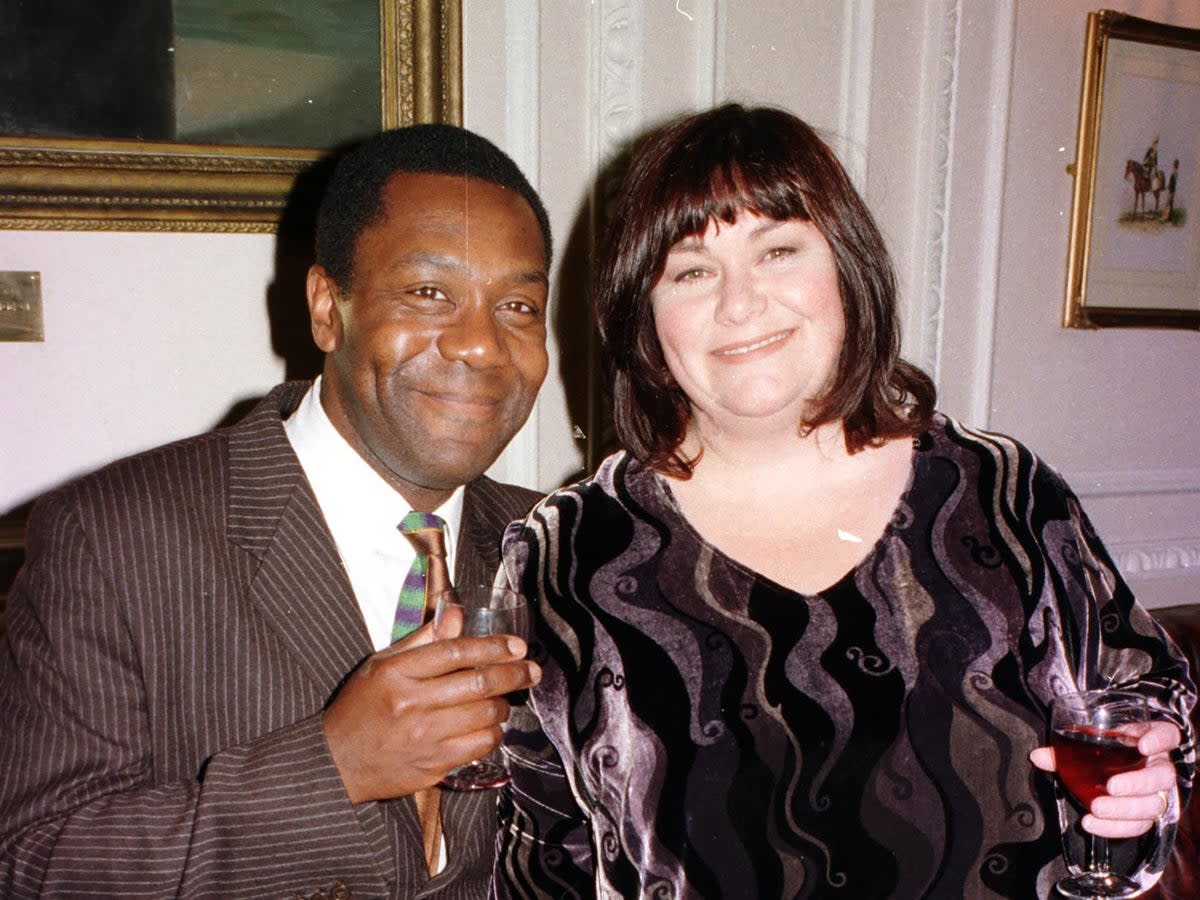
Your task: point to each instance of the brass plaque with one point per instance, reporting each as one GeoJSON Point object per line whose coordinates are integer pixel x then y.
{"type": "Point", "coordinates": [20, 306]}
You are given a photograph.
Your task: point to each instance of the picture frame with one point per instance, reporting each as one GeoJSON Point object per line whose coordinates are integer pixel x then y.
{"type": "Point", "coordinates": [1134, 248]}
{"type": "Point", "coordinates": [67, 183]}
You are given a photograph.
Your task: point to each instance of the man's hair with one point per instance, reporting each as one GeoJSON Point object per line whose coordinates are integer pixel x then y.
{"type": "Point", "coordinates": [710, 167]}
{"type": "Point", "coordinates": [353, 200]}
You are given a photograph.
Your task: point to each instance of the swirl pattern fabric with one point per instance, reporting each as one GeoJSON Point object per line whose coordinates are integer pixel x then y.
{"type": "Point", "coordinates": [724, 736]}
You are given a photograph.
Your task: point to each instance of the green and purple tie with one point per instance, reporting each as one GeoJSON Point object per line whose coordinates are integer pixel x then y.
{"type": "Point", "coordinates": [427, 578]}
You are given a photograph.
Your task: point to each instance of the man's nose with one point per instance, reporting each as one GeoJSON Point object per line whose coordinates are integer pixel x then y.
{"type": "Point", "coordinates": [474, 337]}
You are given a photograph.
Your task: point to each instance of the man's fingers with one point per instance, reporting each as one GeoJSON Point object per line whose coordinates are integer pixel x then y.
{"type": "Point", "coordinates": [419, 638]}
{"type": "Point", "coordinates": [484, 682]}
{"type": "Point", "coordinates": [428, 657]}
{"type": "Point", "coordinates": [473, 732]}
{"type": "Point", "coordinates": [452, 737]}
{"type": "Point", "coordinates": [449, 621]}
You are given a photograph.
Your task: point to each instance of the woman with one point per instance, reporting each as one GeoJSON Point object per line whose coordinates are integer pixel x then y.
{"type": "Point", "coordinates": [800, 637]}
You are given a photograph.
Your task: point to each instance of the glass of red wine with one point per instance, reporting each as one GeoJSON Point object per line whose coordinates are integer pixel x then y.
{"type": "Point", "coordinates": [1094, 735]}
{"type": "Point", "coordinates": [482, 611]}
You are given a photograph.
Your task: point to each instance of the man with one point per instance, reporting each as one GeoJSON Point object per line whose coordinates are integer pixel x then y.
{"type": "Point", "coordinates": [1150, 160]}
{"type": "Point", "coordinates": [184, 710]}
{"type": "Point", "coordinates": [1169, 208]}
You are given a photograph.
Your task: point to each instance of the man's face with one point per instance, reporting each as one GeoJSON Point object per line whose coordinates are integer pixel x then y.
{"type": "Point", "coordinates": [436, 350]}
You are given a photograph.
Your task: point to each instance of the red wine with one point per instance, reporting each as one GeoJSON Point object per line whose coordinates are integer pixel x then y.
{"type": "Point", "coordinates": [1087, 757]}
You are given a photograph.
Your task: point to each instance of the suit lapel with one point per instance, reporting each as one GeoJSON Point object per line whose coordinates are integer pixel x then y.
{"type": "Point", "coordinates": [485, 514]}
{"type": "Point", "coordinates": [299, 584]}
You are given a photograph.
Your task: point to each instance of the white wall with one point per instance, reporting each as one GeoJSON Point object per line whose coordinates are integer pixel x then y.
{"type": "Point", "coordinates": [956, 117]}
{"type": "Point", "coordinates": [1115, 409]}
{"type": "Point", "coordinates": [148, 337]}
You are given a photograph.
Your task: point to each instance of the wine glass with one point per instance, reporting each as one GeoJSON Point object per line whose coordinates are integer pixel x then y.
{"type": "Point", "coordinates": [482, 612]}
{"type": "Point", "coordinates": [1094, 735]}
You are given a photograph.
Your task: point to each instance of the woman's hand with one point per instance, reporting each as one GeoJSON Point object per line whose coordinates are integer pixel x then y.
{"type": "Point", "coordinates": [1137, 799]}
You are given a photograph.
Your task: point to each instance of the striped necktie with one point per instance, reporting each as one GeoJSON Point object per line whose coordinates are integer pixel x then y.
{"type": "Point", "coordinates": [427, 578]}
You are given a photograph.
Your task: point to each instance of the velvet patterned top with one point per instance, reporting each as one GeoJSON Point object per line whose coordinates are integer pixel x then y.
{"type": "Point", "coordinates": [724, 736]}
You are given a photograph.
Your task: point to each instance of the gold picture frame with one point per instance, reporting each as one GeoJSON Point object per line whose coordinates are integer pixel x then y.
{"type": "Point", "coordinates": [1134, 250]}
{"type": "Point", "coordinates": [123, 185]}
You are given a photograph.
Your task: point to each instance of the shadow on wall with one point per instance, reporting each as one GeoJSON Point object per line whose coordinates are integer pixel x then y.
{"type": "Point", "coordinates": [589, 404]}
{"type": "Point", "coordinates": [287, 307]}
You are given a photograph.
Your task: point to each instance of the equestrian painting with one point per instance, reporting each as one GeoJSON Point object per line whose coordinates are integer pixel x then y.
{"type": "Point", "coordinates": [1150, 185]}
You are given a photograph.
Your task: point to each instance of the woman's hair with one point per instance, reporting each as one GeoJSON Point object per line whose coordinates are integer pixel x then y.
{"type": "Point", "coordinates": [710, 167]}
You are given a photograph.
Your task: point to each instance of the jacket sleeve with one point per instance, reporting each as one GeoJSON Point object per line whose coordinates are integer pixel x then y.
{"type": "Point", "coordinates": [83, 811]}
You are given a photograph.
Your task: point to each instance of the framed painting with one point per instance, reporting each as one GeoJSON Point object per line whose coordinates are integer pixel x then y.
{"type": "Point", "coordinates": [197, 115]}
{"type": "Point", "coordinates": [1134, 252]}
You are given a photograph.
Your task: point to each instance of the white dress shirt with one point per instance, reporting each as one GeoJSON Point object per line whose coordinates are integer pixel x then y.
{"type": "Point", "coordinates": [363, 512]}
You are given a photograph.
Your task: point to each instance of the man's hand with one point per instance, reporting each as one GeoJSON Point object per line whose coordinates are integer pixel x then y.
{"type": "Point", "coordinates": [417, 709]}
{"type": "Point", "coordinates": [1135, 800]}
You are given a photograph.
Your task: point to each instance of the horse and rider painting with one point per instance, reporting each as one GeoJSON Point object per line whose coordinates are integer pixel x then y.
{"type": "Point", "coordinates": [1148, 179]}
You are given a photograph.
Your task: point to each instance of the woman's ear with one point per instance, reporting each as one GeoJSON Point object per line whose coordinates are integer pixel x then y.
{"type": "Point", "coordinates": [323, 311]}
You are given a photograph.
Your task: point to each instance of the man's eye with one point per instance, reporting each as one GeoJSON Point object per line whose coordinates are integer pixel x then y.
{"type": "Point", "coordinates": [429, 292]}
{"type": "Point", "coordinates": [521, 308]}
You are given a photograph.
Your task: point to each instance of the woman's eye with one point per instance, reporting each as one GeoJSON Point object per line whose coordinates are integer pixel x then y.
{"type": "Point", "coordinates": [779, 252]}
{"type": "Point", "coordinates": [690, 275]}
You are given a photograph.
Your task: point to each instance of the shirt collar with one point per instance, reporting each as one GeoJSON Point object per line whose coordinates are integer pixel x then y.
{"type": "Point", "coordinates": [358, 504]}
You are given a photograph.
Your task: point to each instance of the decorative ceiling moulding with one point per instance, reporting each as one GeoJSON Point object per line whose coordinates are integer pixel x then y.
{"type": "Point", "coordinates": [1144, 561]}
{"type": "Point", "coordinates": [125, 185]}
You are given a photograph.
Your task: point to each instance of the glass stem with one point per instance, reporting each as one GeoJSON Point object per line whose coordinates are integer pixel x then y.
{"type": "Point", "coordinates": [1099, 860]}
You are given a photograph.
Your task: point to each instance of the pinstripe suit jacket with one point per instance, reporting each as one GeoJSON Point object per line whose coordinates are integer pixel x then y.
{"type": "Point", "coordinates": [180, 622]}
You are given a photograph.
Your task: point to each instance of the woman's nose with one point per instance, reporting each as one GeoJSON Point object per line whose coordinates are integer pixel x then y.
{"type": "Point", "coordinates": [739, 299]}
{"type": "Point", "coordinates": [474, 337]}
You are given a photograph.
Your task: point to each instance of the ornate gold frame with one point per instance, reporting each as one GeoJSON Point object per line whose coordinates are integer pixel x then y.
{"type": "Point", "coordinates": [1102, 27]}
{"type": "Point", "coordinates": [49, 183]}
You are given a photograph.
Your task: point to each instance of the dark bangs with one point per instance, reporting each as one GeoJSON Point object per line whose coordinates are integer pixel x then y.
{"type": "Point", "coordinates": [716, 176]}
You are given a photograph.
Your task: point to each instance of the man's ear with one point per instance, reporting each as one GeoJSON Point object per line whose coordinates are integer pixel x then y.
{"type": "Point", "coordinates": [323, 311]}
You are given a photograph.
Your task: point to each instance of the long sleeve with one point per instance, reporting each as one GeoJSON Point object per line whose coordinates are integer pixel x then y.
{"type": "Point", "coordinates": [543, 848]}
{"type": "Point", "coordinates": [94, 801]}
{"type": "Point", "coordinates": [1114, 642]}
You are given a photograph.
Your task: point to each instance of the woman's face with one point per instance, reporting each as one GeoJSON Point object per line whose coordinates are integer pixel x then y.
{"type": "Point", "coordinates": [750, 320]}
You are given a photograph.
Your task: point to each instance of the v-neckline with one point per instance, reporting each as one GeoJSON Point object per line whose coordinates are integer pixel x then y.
{"type": "Point", "coordinates": [671, 503]}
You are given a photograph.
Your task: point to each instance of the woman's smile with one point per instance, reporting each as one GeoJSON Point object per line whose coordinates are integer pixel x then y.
{"type": "Point", "coordinates": [743, 350]}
